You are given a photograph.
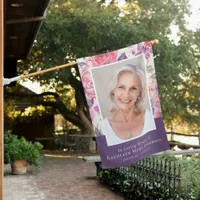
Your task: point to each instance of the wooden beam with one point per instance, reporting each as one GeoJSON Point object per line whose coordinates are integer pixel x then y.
{"type": "Point", "coordinates": [24, 20]}
{"type": "Point", "coordinates": [1, 98]}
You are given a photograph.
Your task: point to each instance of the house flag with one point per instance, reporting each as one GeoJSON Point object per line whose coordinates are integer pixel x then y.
{"type": "Point", "coordinates": [122, 95]}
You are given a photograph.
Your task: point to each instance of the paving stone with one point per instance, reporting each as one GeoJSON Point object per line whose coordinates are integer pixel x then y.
{"type": "Point", "coordinates": [57, 179]}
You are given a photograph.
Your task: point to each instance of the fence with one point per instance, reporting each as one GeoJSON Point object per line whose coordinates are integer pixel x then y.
{"type": "Point", "coordinates": [156, 177]}
{"type": "Point", "coordinates": [78, 143]}
{"type": "Point", "coordinates": [154, 173]}
{"type": "Point", "coordinates": [172, 136]}
{"type": "Point", "coordinates": [82, 142]}
{"type": "Point", "coordinates": [150, 178]}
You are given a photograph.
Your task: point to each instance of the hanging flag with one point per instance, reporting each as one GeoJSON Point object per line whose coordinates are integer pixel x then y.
{"type": "Point", "coordinates": [122, 95]}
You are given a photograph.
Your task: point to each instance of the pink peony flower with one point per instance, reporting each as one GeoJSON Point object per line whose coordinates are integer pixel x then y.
{"type": "Point", "coordinates": [157, 115]}
{"type": "Point", "coordinates": [96, 108]}
{"type": "Point", "coordinates": [145, 48]}
{"type": "Point", "coordinates": [103, 59]}
{"type": "Point", "coordinates": [88, 85]}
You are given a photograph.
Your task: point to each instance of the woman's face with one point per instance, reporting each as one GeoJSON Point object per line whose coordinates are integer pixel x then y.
{"type": "Point", "coordinates": [126, 91]}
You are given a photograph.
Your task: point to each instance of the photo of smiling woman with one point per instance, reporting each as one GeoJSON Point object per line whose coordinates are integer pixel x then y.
{"type": "Point", "coordinates": [124, 101]}
{"type": "Point", "coordinates": [127, 113]}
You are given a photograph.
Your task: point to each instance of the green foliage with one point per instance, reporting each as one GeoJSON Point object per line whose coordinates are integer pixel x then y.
{"type": "Point", "coordinates": [190, 174]}
{"type": "Point", "coordinates": [141, 188]}
{"type": "Point", "coordinates": [77, 28]}
{"type": "Point", "coordinates": [21, 149]}
{"type": "Point", "coordinates": [135, 188]}
{"type": "Point", "coordinates": [12, 117]}
{"type": "Point", "coordinates": [197, 191]}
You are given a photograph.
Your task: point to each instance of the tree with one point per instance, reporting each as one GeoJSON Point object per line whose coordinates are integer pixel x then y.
{"type": "Point", "coordinates": [76, 29]}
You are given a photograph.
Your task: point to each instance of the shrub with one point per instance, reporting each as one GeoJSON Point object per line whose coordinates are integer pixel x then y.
{"type": "Point", "coordinates": [142, 188]}
{"type": "Point", "coordinates": [190, 175]}
{"type": "Point", "coordinates": [20, 149]}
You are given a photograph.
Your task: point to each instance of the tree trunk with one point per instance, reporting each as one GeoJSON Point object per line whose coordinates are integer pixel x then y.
{"type": "Point", "coordinates": [88, 128]}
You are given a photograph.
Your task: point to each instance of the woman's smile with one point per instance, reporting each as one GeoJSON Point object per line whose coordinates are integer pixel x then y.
{"type": "Point", "coordinates": [124, 101]}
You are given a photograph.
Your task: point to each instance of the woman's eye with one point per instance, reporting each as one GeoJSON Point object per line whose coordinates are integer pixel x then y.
{"type": "Point", "coordinates": [133, 88]}
{"type": "Point", "coordinates": [121, 87]}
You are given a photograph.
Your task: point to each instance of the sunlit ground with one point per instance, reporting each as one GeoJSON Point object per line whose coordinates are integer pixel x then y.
{"type": "Point", "coordinates": [62, 156]}
{"type": "Point", "coordinates": [68, 154]}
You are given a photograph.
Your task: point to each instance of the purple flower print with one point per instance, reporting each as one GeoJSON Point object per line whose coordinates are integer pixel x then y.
{"type": "Point", "coordinates": [122, 57]}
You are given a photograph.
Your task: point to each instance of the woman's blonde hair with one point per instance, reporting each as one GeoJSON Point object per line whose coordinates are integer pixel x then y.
{"type": "Point", "coordinates": [139, 104]}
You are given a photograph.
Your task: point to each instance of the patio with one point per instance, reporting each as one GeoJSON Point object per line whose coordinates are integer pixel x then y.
{"type": "Point", "coordinates": [59, 178]}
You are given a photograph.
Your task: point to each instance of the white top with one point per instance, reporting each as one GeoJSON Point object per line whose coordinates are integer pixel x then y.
{"type": "Point", "coordinates": [113, 139]}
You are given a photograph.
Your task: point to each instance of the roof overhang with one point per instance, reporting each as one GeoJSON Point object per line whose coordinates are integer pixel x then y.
{"type": "Point", "coordinates": [23, 19]}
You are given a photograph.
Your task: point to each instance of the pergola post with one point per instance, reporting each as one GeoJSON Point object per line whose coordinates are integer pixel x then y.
{"type": "Point", "coordinates": [1, 97]}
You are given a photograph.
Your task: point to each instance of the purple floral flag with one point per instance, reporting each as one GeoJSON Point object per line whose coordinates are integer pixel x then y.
{"type": "Point", "coordinates": [122, 95]}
